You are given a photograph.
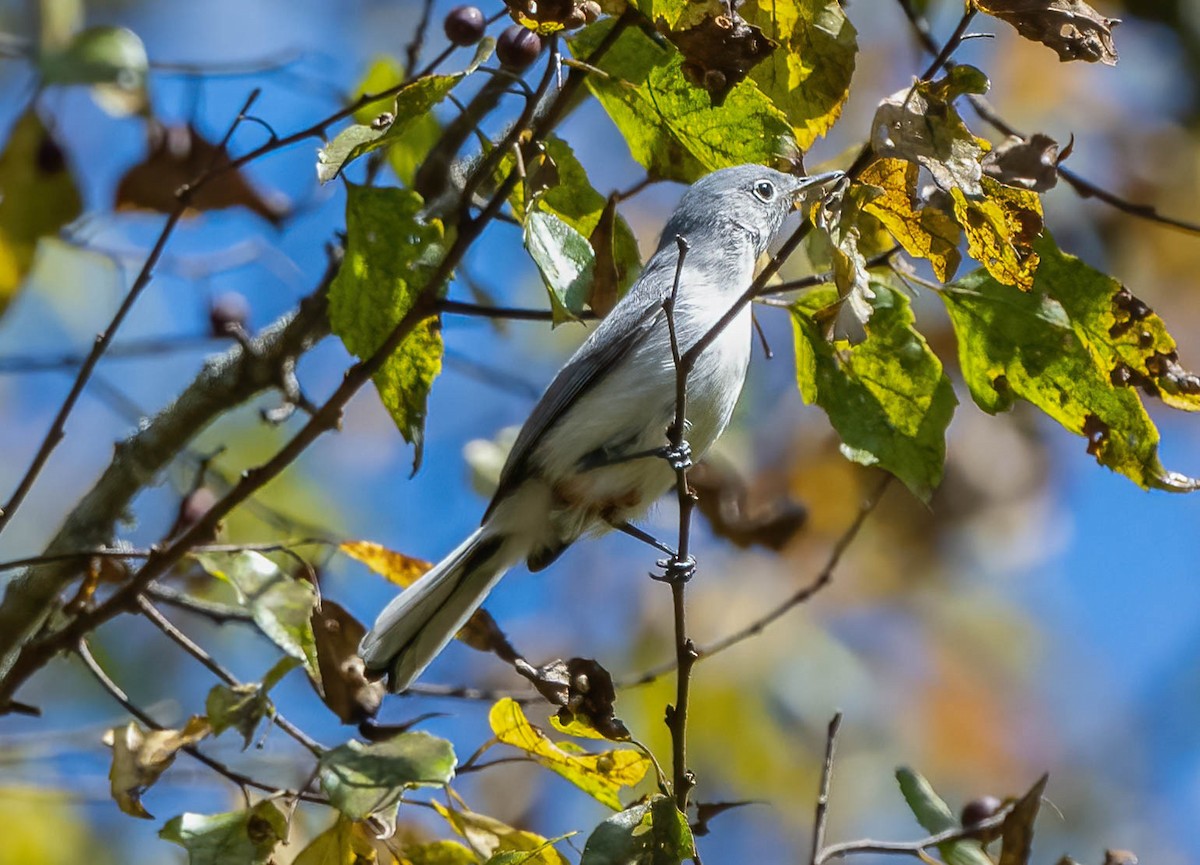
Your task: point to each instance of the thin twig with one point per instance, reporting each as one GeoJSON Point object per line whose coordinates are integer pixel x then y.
{"type": "Point", "coordinates": [412, 53]}
{"type": "Point", "coordinates": [822, 812]}
{"type": "Point", "coordinates": [211, 610]}
{"type": "Point", "coordinates": [912, 848]}
{"type": "Point", "coordinates": [190, 646]}
{"type": "Point", "coordinates": [800, 596]}
{"type": "Point", "coordinates": [220, 768]}
{"type": "Point", "coordinates": [57, 429]}
{"type": "Point", "coordinates": [132, 553]}
{"type": "Point", "coordinates": [680, 567]}
{"type": "Point", "coordinates": [955, 40]}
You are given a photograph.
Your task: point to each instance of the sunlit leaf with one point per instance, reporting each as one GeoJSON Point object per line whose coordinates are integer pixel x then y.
{"type": "Point", "coordinates": [362, 780]}
{"type": "Point", "coordinates": [281, 604]}
{"type": "Point", "coordinates": [671, 127]}
{"type": "Point", "coordinates": [243, 706]}
{"type": "Point", "coordinates": [808, 76]}
{"type": "Point", "coordinates": [438, 853]}
{"type": "Point", "coordinates": [923, 231]}
{"type": "Point", "coordinates": [38, 196]}
{"type": "Point", "coordinates": [234, 838]}
{"type": "Point", "coordinates": [343, 843]}
{"type": "Point", "coordinates": [1127, 338]}
{"type": "Point", "coordinates": [396, 567]}
{"type": "Point", "coordinates": [935, 816]}
{"type": "Point", "coordinates": [140, 756]}
{"type": "Point", "coordinates": [390, 251]}
{"type": "Point", "coordinates": [653, 833]}
{"type": "Point", "coordinates": [1022, 345]}
{"type": "Point", "coordinates": [919, 124]}
{"type": "Point", "coordinates": [600, 775]}
{"type": "Point", "coordinates": [414, 102]}
{"type": "Point", "coordinates": [59, 21]}
{"type": "Point", "coordinates": [1001, 227]}
{"type": "Point", "coordinates": [566, 261]}
{"type": "Point", "coordinates": [887, 397]}
{"type": "Point", "coordinates": [111, 58]}
{"type": "Point", "coordinates": [491, 837]}
{"type": "Point", "coordinates": [536, 856]}
{"type": "Point", "coordinates": [1072, 28]}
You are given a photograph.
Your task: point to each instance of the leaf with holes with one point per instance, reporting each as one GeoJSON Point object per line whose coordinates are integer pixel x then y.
{"type": "Point", "coordinates": [922, 230]}
{"type": "Point", "coordinates": [1023, 345]}
{"type": "Point", "coordinates": [1072, 28]}
{"type": "Point", "coordinates": [671, 127]}
{"type": "Point", "coordinates": [1001, 227]}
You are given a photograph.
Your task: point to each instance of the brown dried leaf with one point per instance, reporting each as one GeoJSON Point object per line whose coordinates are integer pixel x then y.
{"type": "Point", "coordinates": [347, 691]}
{"type": "Point", "coordinates": [1072, 28]}
{"type": "Point", "coordinates": [140, 756]}
{"type": "Point", "coordinates": [1028, 163]}
{"type": "Point", "coordinates": [726, 503]}
{"type": "Point", "coordinates": [177, 156]}
{"type": "Point", "coordinates": [706, 811]}
{"type": "Point", "coordinates": [1017, 839]}
{"type": "Point", "coordinates": [719, 52]}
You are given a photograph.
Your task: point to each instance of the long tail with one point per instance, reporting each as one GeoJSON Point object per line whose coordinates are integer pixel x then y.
{"type": "Point", "coordinates": [417, 625]}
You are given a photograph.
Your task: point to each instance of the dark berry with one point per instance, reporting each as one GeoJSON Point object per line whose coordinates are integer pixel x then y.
{"type": "Point", "coordinates": [228, 312]}
{"type": "Point", "coordinates": [518, 47]}
{"type": "Point", "coordinates": [464, 25]}
{"type": "Point", "coordinates": [980, 809]}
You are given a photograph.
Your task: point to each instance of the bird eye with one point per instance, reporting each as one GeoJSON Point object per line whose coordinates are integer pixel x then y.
{"type": "Point", "coordinates": [764, 190]}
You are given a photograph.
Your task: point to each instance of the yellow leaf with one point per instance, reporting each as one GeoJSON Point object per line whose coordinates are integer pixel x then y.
{"type": "Point", "coordinates": [398, 568]}
{"type": "Point", "coordinates": [140, 756]}
{"type": "Point", "coordinates": [488, 836]}
{"type": "Point", "coordinates": [1001, 228]}
{"type": "Point", "coordinates": [38, 196]}
{"type": "Point", "coordinates": [924, 232]}
{"type": "Point", "coordinates": [334, 846]}
{"type": "Point", "coordinates": [600, 775]}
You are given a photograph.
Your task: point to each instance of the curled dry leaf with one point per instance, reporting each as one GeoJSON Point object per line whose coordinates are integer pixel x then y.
{"type": "Point", "coordinates": [140, 756]}
{"type": "Point", "coordinates": [347, 691]}
{"type": "Point", "coordinates": [719, 52]}
{"type": "Point", "coordinates": [178, 155]}
{"type": "Point", "coordinates": [1072, 28]}
{"type": "Point", "coordinates": [1030, 163]}
{"type": "Point", "coordinates": [736, 515]}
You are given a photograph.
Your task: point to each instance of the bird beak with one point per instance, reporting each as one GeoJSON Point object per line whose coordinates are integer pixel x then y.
{"type": "Point", "coordinates": [804, 185]}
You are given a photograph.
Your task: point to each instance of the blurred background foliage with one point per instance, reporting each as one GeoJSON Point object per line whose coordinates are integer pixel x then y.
{"type": "Point", "coordinates": [1040, 614]}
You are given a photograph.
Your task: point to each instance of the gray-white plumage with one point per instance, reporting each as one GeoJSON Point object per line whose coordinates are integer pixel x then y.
{"type": "Point", "coordinates": [614, 397]}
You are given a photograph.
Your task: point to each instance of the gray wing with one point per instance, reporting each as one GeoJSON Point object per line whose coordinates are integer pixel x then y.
{"type": "Point", "coordinates": [594, 359]}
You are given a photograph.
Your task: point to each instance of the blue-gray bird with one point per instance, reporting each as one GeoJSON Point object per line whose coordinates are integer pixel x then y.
{"type": "Point", "coordinates": [615, 397]}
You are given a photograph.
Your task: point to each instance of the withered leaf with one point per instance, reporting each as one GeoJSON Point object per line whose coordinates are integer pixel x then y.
{"type": "Point", "coordinates": [347, 691]}
{"type": "Point", "coordinates": [1072, 28]}
{"type": "Point", "coordinates": [178, 155]}
{"type": "Point", "coordinates": [719, 52]}
{"type": "Point", "coordinates": [1017, 837]}
{"type": "Point", "coordinates": [726, 503]}
{"type": "Point", "coordinates": [1030, 163]}
{"type": "Point", "coordinates": [140, 756]}
{"type": "Point", "coordinates": [706, 811]}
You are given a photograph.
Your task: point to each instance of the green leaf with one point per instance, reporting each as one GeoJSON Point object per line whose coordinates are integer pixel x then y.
{"type": "Point", "coordinates": [362, 780]}
{"type": "Point", "coordinates": [112, 58]}
{"type": "Point", "coordinates": [243, 707]}
{"type": "Point", "coordinates": [1127, 338]}
{"type": "Point", "coordinates": [38, 196]}
{"type": "Point", "coordinates": [653, 832]}
{"type": "Point", "coordinates": [422, 132]}
{"type": "Point", "coordinates": [1023, 345]}
{"type": "Point", "coordinates": [887, 397]}
{"type": "Point", "coordinates": [492, 837]}
{"type": "Point", "coordinates": [412, 104]}
{"type": "Point", "coordinates": [919, 124]}
{"type": "Point", "coordinates": [808, 76]}
{"type": "Point", "coordinates": [536, 856]}
{"type": "Point", "coordinates": [281, 605]}
{"type": "Point", "coordinates": [600, 775]}
{"type": "Point", "coordinates": [234, 838]}
{"type": "Point", "coordinates": [672, 128]}
{"type": "Point", "coordinates": [566, 261]}
{"type": "Point", "coordinates": [935, 816]}
{"type": "Point", "coordinates": [389, 257]}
